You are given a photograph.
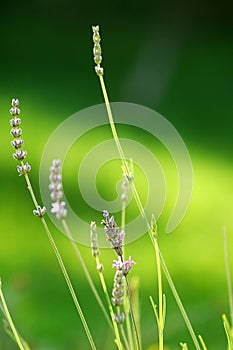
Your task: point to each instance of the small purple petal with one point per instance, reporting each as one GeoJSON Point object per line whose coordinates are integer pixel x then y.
{"type": "Point", "coordinates": [105, 214]}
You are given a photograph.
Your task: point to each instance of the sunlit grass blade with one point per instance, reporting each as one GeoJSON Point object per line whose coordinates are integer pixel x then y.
{"type": "Point", "coordinates": [229, 333]}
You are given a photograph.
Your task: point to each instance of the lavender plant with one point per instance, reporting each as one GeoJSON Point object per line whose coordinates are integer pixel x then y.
{"type": "Point", "coordinates": [24, 169]}
{"type": "Point", "coordinates": [100, 73]}
{"type": "Point", "coordinates": [96, 252]}
{"type": "Point", "coordinates": [58, 209]}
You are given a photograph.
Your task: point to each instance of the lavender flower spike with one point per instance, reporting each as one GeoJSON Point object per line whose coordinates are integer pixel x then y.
{"type": "Point", "coordinates": [58, 207]}
{"type": "Point", "coordinates": [94, 239]}
{"type": "Point", "coordinates": [17, 143]}
{"type": "Point", "coordinates": [118, 289]}
{"type": "Point", "coordinates": [113, 233]}
{"type": "Point", "coordinates": [97, 52]}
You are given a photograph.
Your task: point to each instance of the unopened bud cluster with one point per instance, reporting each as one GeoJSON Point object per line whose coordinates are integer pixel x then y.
{"type": "Point", "coordinates": [97, 52]}
{"type": "Point", "coordinates": [17, 143]}
{"type": "Point", "coordinates": [55, 177]}
{"type": "Point", "coordinates": [125, 186]}
{"type": "Point", "coordinates": [94, 239]}
{"type": "Point", "coordinates": [153, 227]}
{"type": "Point", "coordinates": [118, 296]}
{"type": "Point", "coordinates": [118, 288]}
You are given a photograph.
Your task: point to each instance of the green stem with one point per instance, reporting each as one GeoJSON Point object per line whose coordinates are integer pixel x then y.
{"type": "Point", "coordinates": [228, 275]}
{"type": "Point", "coordinates": [87, 274]}
{"type": "Point", "coordinates": [129, 329]}
{"type": "Point", "coordinates": [202, 342]}
{"type": "Point", "coordinates": [179, 303]}
{"type": "Point", "coordinates": [124, 338]}
{"type": "Point", "coordinates": [141, 209]}
{"type": "Point", "coordinates": [9, 319]}
{"type": "Point", "coordinates": [62, 266]}
{"type": "Point", "coordinates": [160, 291]}
{"type": "Point", "coordinates": [126, 309]}
{"type": "Point", "coordinates": [102, 280]}
{"type": "Point", "coordinates": [132, 314]}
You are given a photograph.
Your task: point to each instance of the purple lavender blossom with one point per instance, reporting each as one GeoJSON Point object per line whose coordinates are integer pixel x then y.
{"type": "Point", "coordinates": [15, 102]}
{"type": "Point", "coordinates": [40, 211]}
{"type": "Point", "coordinates": [23, 169]}
{"type": "Point", "coordinates": [124, 266]}
{"type": "Point", "coordinates": [113, 233]}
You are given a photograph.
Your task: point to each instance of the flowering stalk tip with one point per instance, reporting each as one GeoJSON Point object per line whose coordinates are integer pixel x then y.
{"type": "Point", "coordinates": [58, 207]}
{"type": "Point", "coordinates": [17, 143]}
{"type": "Point", "coordinates": [113, 233]}
{"type": "Point", "coordinates": [94, 239]}
{"type": "Point", "coordinates": [97, 52]}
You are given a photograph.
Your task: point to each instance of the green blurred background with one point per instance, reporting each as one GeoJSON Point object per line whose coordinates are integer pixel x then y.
{"type": "Point", "coordinates": [174, 57]}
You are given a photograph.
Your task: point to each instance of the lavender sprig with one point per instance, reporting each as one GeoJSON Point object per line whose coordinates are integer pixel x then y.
{"type": "Point", "coordinates": [113, 233]}
{"type": "Point", "coordinates": [40, 211]}
{"type": "Point", "coordinates": [123, 268]}
{"type": "Point", "coordinates": [17, 143]}
{"type": "Point", "coordinates": [97, 52]}
{"type": "Point", "coordinates": [58, 207]}
{"type": "Point", "coordinates": [96, 252]}
{"type": "Point", "coordinates": [20, 154]}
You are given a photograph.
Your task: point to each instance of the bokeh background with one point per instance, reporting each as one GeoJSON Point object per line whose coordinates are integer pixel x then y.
{"type": "Point", "coordinates": [174, 57]}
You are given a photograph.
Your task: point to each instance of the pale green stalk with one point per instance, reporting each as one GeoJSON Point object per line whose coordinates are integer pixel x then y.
{"type": "Point", "coordinates": [179, 303]}
{"type": "Point", "coordinates": [134, 284]}
{"type": "Point", "coordinates": [202, 342]}
{"type": "Point", "coordinates": [102, 280]}
{"type": "Point", "coordinates": [87, 274]}
{"type": "Point", "coordinates": [11, 335]}
{"type": "Point", "coordinates": [118, 309]}
{"type": "Point", "coordinates": [184, 346]}
{"type": "Point", "coordinates": [132, 314]}
{"type": "Point", "coordinates": [62, 266]}
{"type": "Point", "coordinates": [128, 324]}
{"type": "Point", "coordinates": [228, 275]}
{"type": "Point", "coordinates": [139, 204]}
{"type": "Point", "coordinates": [9, 319]}
{"type": "Point", "coordinates": [128, 347]}
{"type": "Point", "coordinates": [126, 301]}
{"type": "Point", "coordinates": [161, 312]}
{"type": "Point", "coordinates": [228, 331]}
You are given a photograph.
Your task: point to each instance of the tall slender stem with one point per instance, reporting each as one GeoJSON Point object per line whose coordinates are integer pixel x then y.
{"type": "Point", "coordinates": [160, 292]}
{"type": "Point", "coordinates": [141, 209]}
{"type": "Point", "coordinates": [87, 274]}
{"type": "Point", "coordinates": [179, 302]}
{"type": "Point", "coordinates": [132, 314]}
{"type": "Point", "coordinates": [62, 266]}
{"type": "Point", "coordinates": [228, 275]}
{"type": "Point", "coordinates": [9, 319]}
{"type": "Point", "coordinates": [126, 301]}
{"type": "Point", "coordinates": [102, 280]}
